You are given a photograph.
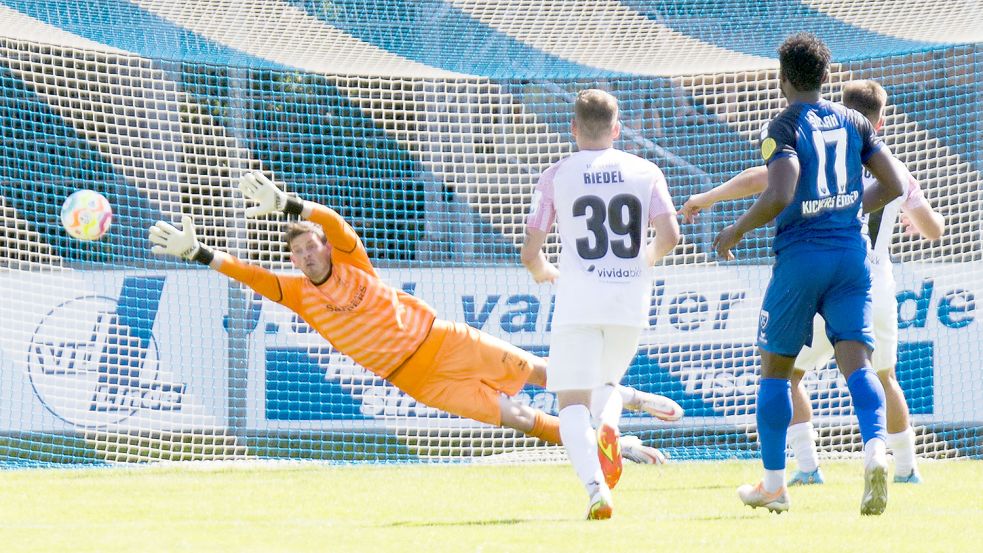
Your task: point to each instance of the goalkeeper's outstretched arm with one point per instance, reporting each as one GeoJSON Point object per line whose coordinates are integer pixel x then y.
{"type": "Point", "coordinates": [183, 243]}
{"type": "Point", "coordinates": [258, 187]}
{"type": "Point", "coordinates": [270, 199]}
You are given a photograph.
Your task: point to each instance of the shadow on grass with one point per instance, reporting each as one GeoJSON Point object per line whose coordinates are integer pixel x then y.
{"type": "Point", "coordinates": [493, 522]}
{"type": "Point", "coordinates": [737, 516]}
{"type": "Point", "coordinates": [661, 489]}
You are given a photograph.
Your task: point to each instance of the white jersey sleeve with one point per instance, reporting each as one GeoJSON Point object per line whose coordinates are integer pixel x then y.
{"type": "Point", "coordinates": [914, 197]}
{"type": "Point", "coordinates": [879, 226]}
{"type": "Point", "coordinates": [542, 213]}
{"type": "Point", "coordinates": [661, 202]}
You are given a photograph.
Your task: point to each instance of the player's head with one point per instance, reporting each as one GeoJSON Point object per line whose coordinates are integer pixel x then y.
{"type": "Point", "coordinates": [595, 119]}
{"type": "Point", "coordinates": [803, 61]}
{"type": "Point", "coordinates": [867, 97]}
{"type": "Point", "coordinates": [309, 250]}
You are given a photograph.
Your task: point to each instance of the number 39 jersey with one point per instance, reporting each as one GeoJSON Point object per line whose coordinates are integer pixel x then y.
{"type": "Point", "coordinates": [602, 201]}
{"type": "Point", "coordinates": [831, 142]}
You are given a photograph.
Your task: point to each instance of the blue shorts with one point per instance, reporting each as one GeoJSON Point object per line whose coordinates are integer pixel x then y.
{"type": "Point", "coordinates": [806, 281]}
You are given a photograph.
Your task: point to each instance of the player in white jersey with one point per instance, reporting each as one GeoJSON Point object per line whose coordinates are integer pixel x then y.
{"type": "Point", "coordinates": [869, 98]}
{"type": "Point", "coordinates": [601, 199]}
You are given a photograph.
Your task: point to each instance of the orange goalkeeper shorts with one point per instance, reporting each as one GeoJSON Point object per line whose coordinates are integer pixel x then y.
{"type": "Point", "coordinates": [461, 370]}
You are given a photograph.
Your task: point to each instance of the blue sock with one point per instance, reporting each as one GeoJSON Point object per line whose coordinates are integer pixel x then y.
{"type": "Point", "coordinates": [774, 412]}
{"type": "Point", "coordinates": [868, 403]}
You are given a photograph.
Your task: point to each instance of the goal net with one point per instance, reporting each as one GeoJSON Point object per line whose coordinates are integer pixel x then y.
{"type": "Point", "coordinates": [426, 124]}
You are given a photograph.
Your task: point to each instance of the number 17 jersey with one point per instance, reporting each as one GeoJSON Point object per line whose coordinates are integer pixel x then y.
{"type": "Point", "coordinates": [831, 144]}
{"type": "Point", "coordinates": [602, 201]}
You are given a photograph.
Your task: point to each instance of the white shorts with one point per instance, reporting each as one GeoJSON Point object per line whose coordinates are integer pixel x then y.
{"type": "Point", "coordinates": [584, 357]}
{"type": "Point", "coordinates": [884, 309]}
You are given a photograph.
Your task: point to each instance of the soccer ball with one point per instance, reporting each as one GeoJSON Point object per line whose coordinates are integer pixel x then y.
{"type": "Point", "coordinates": [86, 215]}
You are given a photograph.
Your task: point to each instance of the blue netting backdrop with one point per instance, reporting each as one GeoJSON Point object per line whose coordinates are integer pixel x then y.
{"type": "Point", "coordinates": [426, 125]}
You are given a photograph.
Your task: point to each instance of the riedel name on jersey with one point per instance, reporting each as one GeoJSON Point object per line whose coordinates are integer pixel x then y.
{"type": "Point", "coordinates": [603, 177]}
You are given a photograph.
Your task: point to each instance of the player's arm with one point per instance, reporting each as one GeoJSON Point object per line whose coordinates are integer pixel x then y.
{"type": "Point", "coordinates": [534, 259]}
{"type": "Point", "coordinates": [890, 175]}
{"type": "Point", "coordinates": [662, 219]}
{"type": "Point", "coordinates": [783, 174]}
{"type": "Point", "coordinates": [342, 237]}
{"type": "Point", "coordinates": [666, 237]}
{"type": "Point", "coordinates": [183, 243]}
{"type": "Point", "coordinates": [270, 199]}
{"type": "Point", "coordinates": [925, 221]}
{"type": "Point", "coordinates": [917, 214]}
{"type": "Point", "coordinates": [748, 182]}
{"type": "Point", "coordinates": [542, 214]}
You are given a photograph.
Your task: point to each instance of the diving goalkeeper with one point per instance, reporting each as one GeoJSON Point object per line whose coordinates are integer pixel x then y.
{"type": "Point", "coordinates": [446, 365]}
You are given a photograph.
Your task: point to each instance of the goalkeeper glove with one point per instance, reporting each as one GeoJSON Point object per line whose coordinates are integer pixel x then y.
{"type": "Point", "coordinates": [180, 243]}
{"type": "Point", "coordinates": [257, 187]}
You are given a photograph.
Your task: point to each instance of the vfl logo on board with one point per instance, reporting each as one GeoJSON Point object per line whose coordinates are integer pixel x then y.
{"type": "Point", "coordinates": [93, 360]}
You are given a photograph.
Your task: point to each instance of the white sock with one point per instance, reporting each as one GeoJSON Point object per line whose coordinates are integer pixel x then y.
{"type": "Point", "coordinates": [605, 405]}
{"type": "Point", "coordinates": [774, 480]}
{"type": "Point", "coordinates": [875, 449]}
{"type": "Point", "coordinates": [801, 439]}
{"type": "Point", "coordinates": [580, 442]}
{"type": "Point", "coordinates": [903, 445]}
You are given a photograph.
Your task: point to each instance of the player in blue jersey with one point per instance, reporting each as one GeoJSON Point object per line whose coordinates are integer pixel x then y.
{"type": "Point", "coordinates": [815, 151]}
{"type": "Point", "coordinates": [869, 98]}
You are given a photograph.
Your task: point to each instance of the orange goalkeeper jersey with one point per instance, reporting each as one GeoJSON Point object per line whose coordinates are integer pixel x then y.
{"type": "Point", "coordinates": [376, 325]}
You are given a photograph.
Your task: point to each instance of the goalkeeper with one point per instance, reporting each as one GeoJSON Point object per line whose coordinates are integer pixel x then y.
{"type": "Point", "coordinates": [446, 365]}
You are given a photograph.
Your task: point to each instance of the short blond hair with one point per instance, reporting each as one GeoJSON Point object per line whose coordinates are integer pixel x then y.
{"type": "Point", "coordinates": [595, 113]}
{"type": "Point", "coordinates": [867, 97]}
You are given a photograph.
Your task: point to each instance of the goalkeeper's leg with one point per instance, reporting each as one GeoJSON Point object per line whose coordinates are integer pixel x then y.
{"type": "Point", "coordinates": [658, 406]}
{"type": "Point", "coordinates": [546, 427]}
{"type": "Point", "coordinates": [529, 421]}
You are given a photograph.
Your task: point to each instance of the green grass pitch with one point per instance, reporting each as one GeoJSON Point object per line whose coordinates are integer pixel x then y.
{"type": "Point", "coordinates": [689, 506]}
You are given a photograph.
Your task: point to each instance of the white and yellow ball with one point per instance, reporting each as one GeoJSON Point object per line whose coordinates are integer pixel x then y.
{"type": "Point", "coordinates": [86, 215]}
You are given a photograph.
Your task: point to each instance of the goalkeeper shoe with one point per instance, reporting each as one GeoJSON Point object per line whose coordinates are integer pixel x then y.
{"type": "Point", "coordinates": [756, 496]}
{"type": "Point", "coordinates": [609, 454]}
{"type": "Point", "coordinates": [912, 478]}
{"type": "Point", "coordinates": [875, 488]}
{"type": "Point", "coordinates": [658, 406]}
{"type": "Point", "coordinates": [807, 478]}
{"type": "Point", "coordinates": [601, 504]}
{"type": "Point", "coordinates": [636, 452]}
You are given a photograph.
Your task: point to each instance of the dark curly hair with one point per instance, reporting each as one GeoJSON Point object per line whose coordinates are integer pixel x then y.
{"type": "Point", "coordinates": [804, 60]}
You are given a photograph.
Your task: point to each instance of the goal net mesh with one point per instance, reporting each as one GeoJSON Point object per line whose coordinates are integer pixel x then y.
{"type": "Point", "coordinates": [426, 124]}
